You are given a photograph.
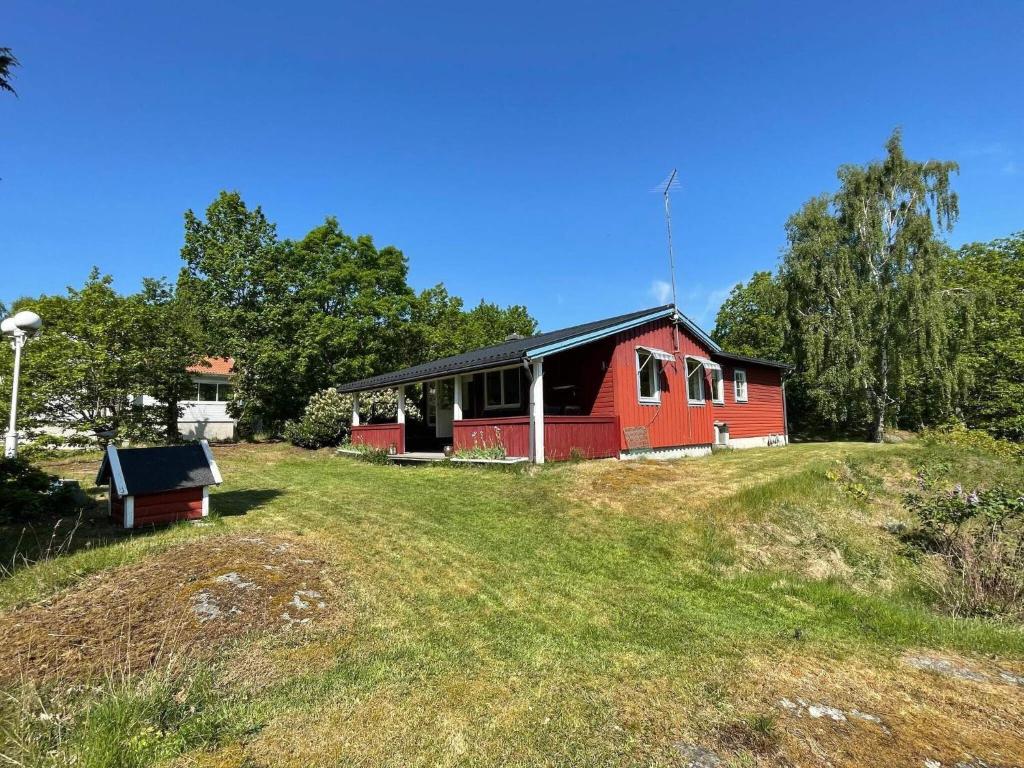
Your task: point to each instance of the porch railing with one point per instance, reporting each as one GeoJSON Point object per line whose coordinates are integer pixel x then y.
{"type": "Point", "coordinates": [584, 437]}
{"type": "Point", "coordinates": [381, 436]}
{"type": "Point", "coordinates": [589, 437]}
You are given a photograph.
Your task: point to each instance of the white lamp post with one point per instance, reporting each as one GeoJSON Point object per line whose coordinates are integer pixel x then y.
{"type": "Point", "coordinates": [20, 327]}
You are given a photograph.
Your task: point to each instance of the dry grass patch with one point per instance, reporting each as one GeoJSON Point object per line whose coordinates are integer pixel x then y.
{"type": "Point", "coordinates": [189, 600]}
{"type": "Point", "coordinates": [854, 713]}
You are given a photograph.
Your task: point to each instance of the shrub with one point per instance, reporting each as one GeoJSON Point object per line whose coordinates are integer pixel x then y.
{"type": "Point", "coordinates": [980, 536]}
{"type": "Point", "coordinates": [960, 436]}
{"type": "Point", "coordinates": [327, 419]}
{"type": "Point", "coordinates": [26, 491]}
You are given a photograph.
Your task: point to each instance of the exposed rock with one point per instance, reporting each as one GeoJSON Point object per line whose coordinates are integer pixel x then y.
{"type": "Point", "coordinates": [235, 580]}
{"type": "Point", "coordinates": [945, 667]}
{"type": "Point", "coordinates": [695, 756]}
{"type": "Point", "coordinates": [818, 711]}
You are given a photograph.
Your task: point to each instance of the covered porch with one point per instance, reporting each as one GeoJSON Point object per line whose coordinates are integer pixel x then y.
{"type": "Point", "coordinates": [546, 409]}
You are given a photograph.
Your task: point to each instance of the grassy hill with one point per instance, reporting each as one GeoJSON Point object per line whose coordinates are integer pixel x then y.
{"type": "Point", "coordinates": [751, 608]}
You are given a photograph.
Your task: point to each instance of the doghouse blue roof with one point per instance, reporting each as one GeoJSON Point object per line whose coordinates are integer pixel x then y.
{"type": "Point", "coordinates": [139, 471]}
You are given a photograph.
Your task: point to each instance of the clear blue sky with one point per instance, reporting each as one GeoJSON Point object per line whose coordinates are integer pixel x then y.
{"type": "Point", "coordinates": [510, 151]}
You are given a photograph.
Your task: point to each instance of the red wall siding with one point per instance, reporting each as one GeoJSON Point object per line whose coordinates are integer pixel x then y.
{"type": "Point", "coordinates": [169, 506]}
{"type": "Point", "coordinates": [512, 432]}
{"type": "Point", "coordinates": [159, 508]}
{"type": "Point", "coordinates": [762, 414]}
{"type": "Point", "coordinates": [590, 437]}
{"type": "Point", "coordinates": [381, 436]}
{"type": "Point", "coordinates": [579, 382]}
{"type": "Point", "coordinates": [673, 422]}
{"type": "Point", "coordinates": [116, 505]}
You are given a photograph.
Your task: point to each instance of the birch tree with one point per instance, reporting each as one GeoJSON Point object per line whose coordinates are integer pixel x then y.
{"type": "Point", "coordinates": [864, 292]}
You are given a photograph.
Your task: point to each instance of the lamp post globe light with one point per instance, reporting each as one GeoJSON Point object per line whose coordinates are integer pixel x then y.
{"type": "Point", "coordinates": [18, 328]}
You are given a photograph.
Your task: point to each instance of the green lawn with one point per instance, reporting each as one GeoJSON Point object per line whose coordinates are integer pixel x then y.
{"type": "Point", "coordinates": [602, 613]}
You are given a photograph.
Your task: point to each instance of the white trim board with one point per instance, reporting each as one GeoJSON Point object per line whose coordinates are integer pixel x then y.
{"type": "Point", "coordinates": [115, 471]}
{"type": "Point", "coordinates": [214, 469]}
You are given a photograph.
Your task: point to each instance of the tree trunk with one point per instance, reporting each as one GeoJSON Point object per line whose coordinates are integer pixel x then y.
{"type": "Point", "coordinates": [172, 435]}
{"type": "Point", "coordinates": [881, 398]}
{"type": "Point", "coordinates": [878, 428]}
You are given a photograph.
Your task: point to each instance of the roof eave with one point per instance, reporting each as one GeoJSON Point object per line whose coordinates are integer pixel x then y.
{"type": "Point", "coordinates": [360, 386]}
{"type": "Point", "coordinates": [586, 338]}
{"type": "Point", "coordinates": [755, 360]}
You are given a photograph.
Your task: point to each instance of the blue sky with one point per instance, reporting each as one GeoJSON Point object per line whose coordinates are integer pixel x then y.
{"type": "Point", "coordinates": [510, 150]}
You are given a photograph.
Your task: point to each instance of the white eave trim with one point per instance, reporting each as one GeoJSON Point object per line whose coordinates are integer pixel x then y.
{"type": "Point", "coordinates": [214, 470]}
{"type": "Point", "coordinates": [116, 472]}
{"type": "Point", "coordinates": [586, 338]}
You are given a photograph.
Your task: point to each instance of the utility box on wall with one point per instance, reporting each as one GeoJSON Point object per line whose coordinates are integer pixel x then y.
{"type": "Point", "coordinates": [150, 486]}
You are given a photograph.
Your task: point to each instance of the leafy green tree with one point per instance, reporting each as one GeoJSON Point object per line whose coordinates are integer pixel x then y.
{"type": "Point", "coordinates": [300, 316]}
{"type": "Point", "coordinates": [237, 277]}
{"type": "Point", "coordinates": [441, 326]}
{"type": "Point", "coordinates": [297, 316]}
{"type": "Point", "coordinates": [352, 306]}
{"type": "Point", "coordinates": [487, 323]}
{"type": "Point", "coordinates": [176, 341]}
{"type": "Point", "coordinates": [992, 275]}
{"type": "Point", "coordinates": [8, 61]}
{"type": "Point", "coordinates": [752, 320]}
{"type": "Point", "coordinates": [862, 276]}
{"type": "Point", "coordinates": [84, 372]}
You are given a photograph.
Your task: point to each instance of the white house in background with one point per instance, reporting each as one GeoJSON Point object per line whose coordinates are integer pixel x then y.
{"type": "Point", "coordinates": [206, 416]}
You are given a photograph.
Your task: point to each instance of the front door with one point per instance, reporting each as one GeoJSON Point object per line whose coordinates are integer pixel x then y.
{"type": "Point", "coordinates": [444, 408]}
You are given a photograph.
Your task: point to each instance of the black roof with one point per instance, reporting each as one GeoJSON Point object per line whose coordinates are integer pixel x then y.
{"type": "Point", "coordinates": [511, 351]}
{"type": "Point", "coordinates": [153, 470]}
{"type": "Point", "coordinates": [752, 360]}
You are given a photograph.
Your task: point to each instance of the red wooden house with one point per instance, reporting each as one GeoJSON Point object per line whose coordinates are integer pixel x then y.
{"type": "Point", "coordinates": [149, 486]}
{"type": "Point", "coordinates": [647, 383]}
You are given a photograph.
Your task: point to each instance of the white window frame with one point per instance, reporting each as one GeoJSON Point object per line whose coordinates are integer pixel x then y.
{"type": "Point", "coordinates": [654, 399]}
{"type": "Point", "coordinates": [703, 370]}
{"type": "Point", "coordinates": [736, 374]}
{"type": "Point", "coordinates": [216, 384]}
{"type": "Point", "coordinates": [505, 405]}
{"type": "Point", "coordinates": [717, 386]}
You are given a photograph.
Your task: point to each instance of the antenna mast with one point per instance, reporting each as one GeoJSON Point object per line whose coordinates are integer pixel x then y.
{"type": "Point", "coordinates": [669, 184]}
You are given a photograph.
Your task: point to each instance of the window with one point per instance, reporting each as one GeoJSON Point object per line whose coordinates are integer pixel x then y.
{"type": "Point", "coordinates": [717, 386]}
{"type": "Point", "coordinates": [694, 381]}
{"type": "Point", "coordinates": [208, 392]}
{"type": "Point", "coordinates": [648, 380]}
{"type": "Point", "coordinates": [501, 388]}
{"type": "Point", "coordinates": [739, 380]}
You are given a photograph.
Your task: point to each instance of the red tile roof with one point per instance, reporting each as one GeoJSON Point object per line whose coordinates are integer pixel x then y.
{"type": "Point", "coordinates": [217, 366]}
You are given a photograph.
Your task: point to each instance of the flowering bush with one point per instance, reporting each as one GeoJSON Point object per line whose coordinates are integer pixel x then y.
{"type": "Point", "coordinates": [327, 419]}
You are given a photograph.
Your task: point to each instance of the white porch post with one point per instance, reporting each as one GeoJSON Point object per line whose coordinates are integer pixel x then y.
{"type": "Point", "coordinates": [401, 404]}
{"type": "Point", "coordinates": [355, 409]}
{"type": "Point", "coordinates": [457, 398]}
{"type": "Point", "coordinates": [537, 413]}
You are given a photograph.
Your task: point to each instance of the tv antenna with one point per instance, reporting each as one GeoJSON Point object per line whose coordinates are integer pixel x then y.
{"type": "Point", "coordinates": [672, 182]}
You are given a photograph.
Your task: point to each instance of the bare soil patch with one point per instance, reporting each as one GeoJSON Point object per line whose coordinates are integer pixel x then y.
{"type": "Point", "coordinates": [187, 601]}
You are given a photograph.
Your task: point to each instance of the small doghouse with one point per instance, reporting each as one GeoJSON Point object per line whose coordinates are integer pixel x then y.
{"type": "Point", "coordinates": [149, 486]}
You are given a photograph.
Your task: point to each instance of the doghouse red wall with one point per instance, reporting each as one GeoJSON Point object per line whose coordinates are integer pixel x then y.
{"type": "Point", "coordinates": [165, 507]}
